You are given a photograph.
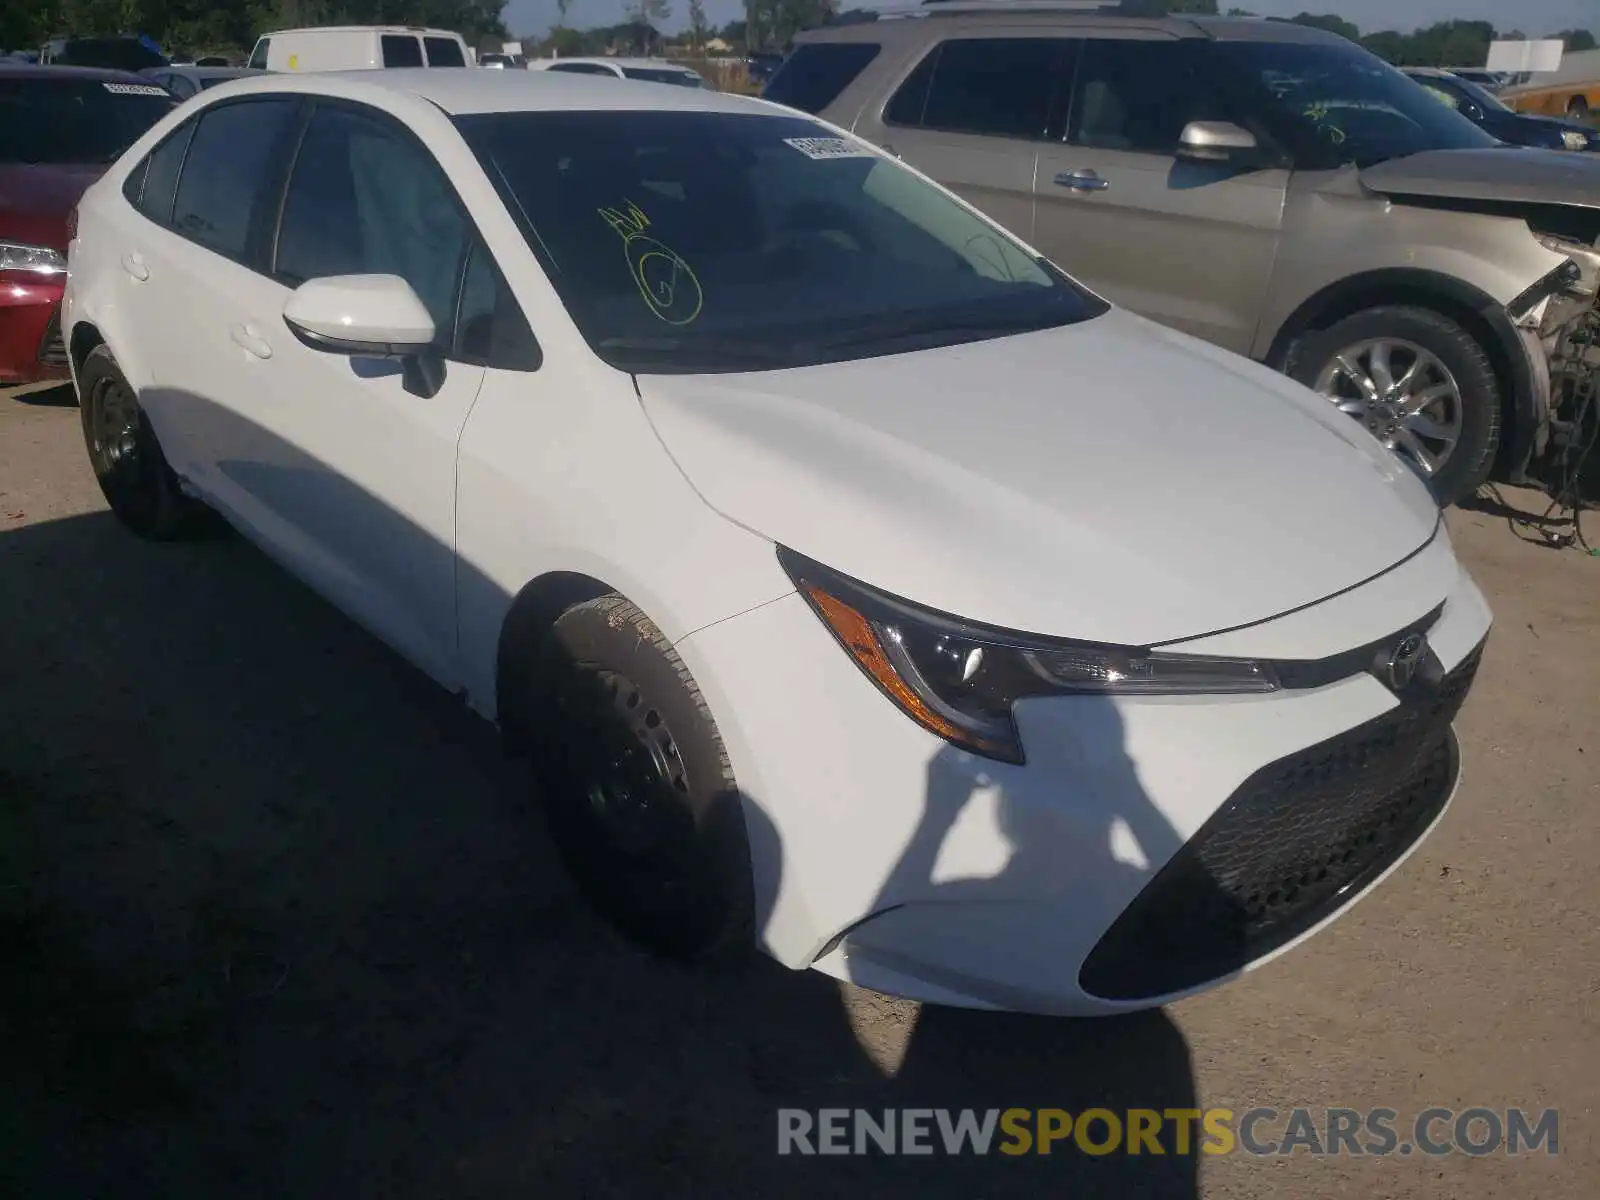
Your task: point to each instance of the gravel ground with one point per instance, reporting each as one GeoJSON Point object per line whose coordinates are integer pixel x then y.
{"type": "Point", "coordinates": [277, 919]}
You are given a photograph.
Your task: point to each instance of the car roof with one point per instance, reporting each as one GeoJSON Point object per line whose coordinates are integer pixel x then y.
{"type": "Point", "coordinates": [462, 93]}
{"type": "Point", "coordinates": [52, 71]}
{"type": "Point", "coordinates": [212, 72]}
{"type": "Point", "coordinates": [969, 17]}
{"type": "Point", "coordinates": [431, 32]}
{"type": "Point", "coordinates": [611, 61]}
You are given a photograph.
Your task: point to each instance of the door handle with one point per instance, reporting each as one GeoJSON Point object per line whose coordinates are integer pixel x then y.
{"type": "Point", "coordinates": [133, 264]}
{"type": "Point", "coordinates": [1084, 180]}
{"type": "Point", "coordinates": [253, 342]}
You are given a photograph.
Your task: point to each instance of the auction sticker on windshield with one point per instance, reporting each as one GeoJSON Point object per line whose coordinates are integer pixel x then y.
{"type": "Point", "coordinates": [135, 89]}
{"type": "Point", "coordinates": [829, 147]}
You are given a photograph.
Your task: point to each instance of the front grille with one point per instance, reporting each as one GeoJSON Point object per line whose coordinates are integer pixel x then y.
{"type": "Point", "coordinates": [53, 350]}
{"type": "Point", "coordinates": [1296, 840]}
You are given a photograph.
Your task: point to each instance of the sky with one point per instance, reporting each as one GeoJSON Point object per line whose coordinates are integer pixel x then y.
{"type": "Point", "coordinates": [1534, 17]}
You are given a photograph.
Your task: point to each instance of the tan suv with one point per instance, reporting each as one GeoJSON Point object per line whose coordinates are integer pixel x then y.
{"type": "Point", "coordinates": [1270, 188]}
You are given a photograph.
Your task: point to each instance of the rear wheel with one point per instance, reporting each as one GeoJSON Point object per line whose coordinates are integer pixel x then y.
{"type": "Point", "coordinates": [132, 472]}
{"type": "Point", "coordinates": [1420, 383]}
{"type": "Point", "coordinates": [636, 783]}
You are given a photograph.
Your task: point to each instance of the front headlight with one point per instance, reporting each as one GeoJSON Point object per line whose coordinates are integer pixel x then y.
{"type": "Point", "coordinates": [960, 679]}
{"type": "Point", "coordinates": [1574, 139]}
{"type": "Point", "coordinates": [38, 260]}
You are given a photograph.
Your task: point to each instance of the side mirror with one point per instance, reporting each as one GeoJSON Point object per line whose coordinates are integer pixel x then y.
{"type": "Point", "coordinates": [1217, 142]}
{"type": "Point", "coordinates": [369, 316]}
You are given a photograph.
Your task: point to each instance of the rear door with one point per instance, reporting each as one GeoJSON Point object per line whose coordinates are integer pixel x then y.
{"type": "Point", "coordinates": [1188, 244]}
{"type": "Point", "coordinates": [973, 114]}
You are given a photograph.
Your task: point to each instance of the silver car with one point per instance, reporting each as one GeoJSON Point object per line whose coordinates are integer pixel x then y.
{"type": "Point", "coordinates": [1268, 187]}
{"type": "Point", "coordinates": [186, 81]}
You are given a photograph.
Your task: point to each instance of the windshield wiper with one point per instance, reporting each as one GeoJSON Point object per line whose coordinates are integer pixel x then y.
{"type": "Point", "coordinates": [713, 348]}
{"type": "Point", "coordinates": [965, 329]}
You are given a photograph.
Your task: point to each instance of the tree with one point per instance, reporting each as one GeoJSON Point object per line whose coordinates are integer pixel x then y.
{"type": "Point", "coordinates": [1576, 40]}
{"type": "Point", "coordinates": [699, 26]}
{"type": "Point", "coordinates": [563, 7]}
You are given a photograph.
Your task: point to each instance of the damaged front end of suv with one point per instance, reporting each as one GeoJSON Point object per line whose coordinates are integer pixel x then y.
{"type": "Point", "coordinates": [1558, 319]}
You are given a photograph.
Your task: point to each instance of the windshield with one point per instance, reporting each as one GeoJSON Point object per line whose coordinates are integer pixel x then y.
{"type": "Point", "coordinates": [707, 241]}
{"type": "Point", "coordinates": [652, 75]}
{"type": "Point", "coordinates": [75, 120]}
{"type": "Point", "coordinates": [1334, 105]}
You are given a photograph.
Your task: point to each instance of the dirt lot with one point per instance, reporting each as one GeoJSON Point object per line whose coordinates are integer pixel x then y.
{"type": "Point", "coordinates": [277, 920]}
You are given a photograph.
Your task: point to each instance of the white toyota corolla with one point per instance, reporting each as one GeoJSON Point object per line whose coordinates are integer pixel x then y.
{"type": "Point", "coordinates": [860, 584]}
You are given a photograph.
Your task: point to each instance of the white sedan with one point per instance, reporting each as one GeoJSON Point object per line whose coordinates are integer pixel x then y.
{"type": "Point", "coordinates": [860, 585]}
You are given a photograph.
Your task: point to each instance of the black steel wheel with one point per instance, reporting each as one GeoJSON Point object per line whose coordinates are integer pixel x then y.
{"type": "Point", "coordinates": [133, 474]}
{"type": "Point", "coordinates": [636, 783]}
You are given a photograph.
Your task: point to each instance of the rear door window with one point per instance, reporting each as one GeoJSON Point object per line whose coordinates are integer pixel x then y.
{"type": "Point", "coordinates": [1003, 87]}
{"type": "Point", "coordinates": [401, 50]}
{"type": "Point", "coordinates": [229, 156]}
{"type": "Point", "coordinates": [816, 73]}
{"type": "Point", "coordinates": [444, 52]}
{"type": "Point", "coordinates": [158, 176]}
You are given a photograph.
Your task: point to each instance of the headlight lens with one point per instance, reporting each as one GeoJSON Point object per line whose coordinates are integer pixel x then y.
{"type": "Point", "coordinates": [40, 260]}
{"type": "Point", "coordinates": [960, 680]}
{"type": "Point", "coordinates": [1574, 139]}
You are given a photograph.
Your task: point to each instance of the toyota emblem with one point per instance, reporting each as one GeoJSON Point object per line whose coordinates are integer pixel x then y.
{"type": "Point", "coordinates": [1404, 660]}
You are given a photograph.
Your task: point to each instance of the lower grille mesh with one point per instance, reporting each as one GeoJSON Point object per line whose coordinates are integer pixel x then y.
{"type": "Point", "coordinates": [1298, 839]}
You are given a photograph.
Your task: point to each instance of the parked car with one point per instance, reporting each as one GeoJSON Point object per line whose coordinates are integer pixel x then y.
{"type": "Point", "coordinates": [60, 127]}
{"type": "Point", "coordinates": [502, 62]}
{"type": "Point", "coordinates": [1494, 117]}
{"type": "Point", "coordinates": [646, 70]}
{"type": "Point", "coordinates": [1269, 187]}
{"type": "Point", "coordinates": [859, 583]}
{"type": "Point", "coordinates": [359, 47]}
{"type": "Point", "coordinates": [184, 82]}
{"type": "Point", "coordinates": [123, 52]}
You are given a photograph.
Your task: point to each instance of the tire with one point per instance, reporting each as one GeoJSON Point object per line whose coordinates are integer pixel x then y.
{"type": "Point", "coordinates": [636, 785]}
{"type": "Point", "coordinates": [128, 464]}
{"type": "Point", "coordinates": [1458, 362]}
{"type": "Point", "coordinates": [1578, 108]}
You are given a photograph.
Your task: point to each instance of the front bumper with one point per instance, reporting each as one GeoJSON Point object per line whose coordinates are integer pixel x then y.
{"type": "Point", "coordinates": [31, 346]}
{"type": "Point", "coordinates": [1148, 849]}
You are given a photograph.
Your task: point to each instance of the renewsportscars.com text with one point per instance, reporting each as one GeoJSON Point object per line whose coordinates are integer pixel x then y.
{"type": "Point", "coordinates": [1177, 1131]}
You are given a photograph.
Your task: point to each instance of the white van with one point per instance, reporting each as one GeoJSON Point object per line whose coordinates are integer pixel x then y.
{"type": "Point", "coordinates": [355, 47]}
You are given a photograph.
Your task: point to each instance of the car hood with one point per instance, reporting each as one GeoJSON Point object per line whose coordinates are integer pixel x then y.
{"type": "Point", "coordinates": [35, 199]}
{"type": "Point", "coordinates": [1112, 481]}
{"type": "Point", "coordinates": [1493, 173]}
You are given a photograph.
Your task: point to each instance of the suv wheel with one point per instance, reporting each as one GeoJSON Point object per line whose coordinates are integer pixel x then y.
{"type": "Point", "coordinates": [1420, 383]}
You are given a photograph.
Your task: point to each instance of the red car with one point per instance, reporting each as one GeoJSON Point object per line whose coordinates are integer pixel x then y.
{"type": "Point", "coordinates": [60, 128]}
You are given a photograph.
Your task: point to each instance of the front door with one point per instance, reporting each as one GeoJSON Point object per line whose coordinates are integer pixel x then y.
{"type": "Point", "coordinates": [1188, 244]}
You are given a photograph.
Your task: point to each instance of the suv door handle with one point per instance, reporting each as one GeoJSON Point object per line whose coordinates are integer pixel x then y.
{"type": "Point", "coordinates": [253, 342]}
{"type": "Point", "coordinates": [133, 264]}
{"type": "Point", "coordinates": [1082, 180]}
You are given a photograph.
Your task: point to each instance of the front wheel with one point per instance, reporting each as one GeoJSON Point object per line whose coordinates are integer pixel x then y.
{"type": "Point", "coordinates": [1420, 383]}
{"type": "Point", "coordinates": [636, 783]}
{"type": "Point", "coordinates": [1578, 108]}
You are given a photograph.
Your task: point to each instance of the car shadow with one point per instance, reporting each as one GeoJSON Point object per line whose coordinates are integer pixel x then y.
{"type": "Point", "coordinates": [284, 921]}
{"type": "Point", "coordinates": [58, 395]}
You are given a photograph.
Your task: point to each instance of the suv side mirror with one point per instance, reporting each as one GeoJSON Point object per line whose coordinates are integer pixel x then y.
{"type": "Point", "coordinates": [369, 316]}
{"type": "Point", "coordinates": [1217, 142]}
